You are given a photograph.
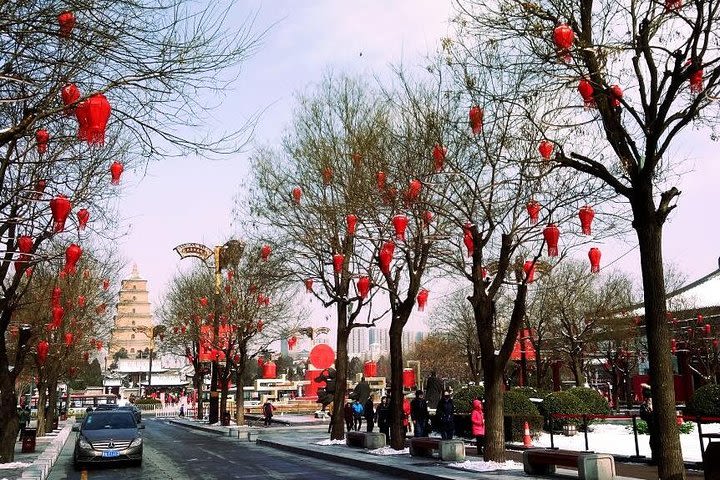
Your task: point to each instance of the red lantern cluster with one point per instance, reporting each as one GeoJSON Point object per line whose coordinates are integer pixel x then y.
{"type": "Point", "coordinates": [551, 233]}
{"type": "Point", "coordinates": [363, 286]}
{"type": "Point", "coordinates": [594, 255]}
{"type": "Point", "coordinates": [438, 154]}
{"type": "Point", "coordinates": [265, 252]}
{"type": "Point", "coordinates": [338, 262]}
{"type": "Point", "coordinates": [533, 209]}
{"type": "Point", "coordinates": [351, 223]}
{"type": "Point", "coordinates": [422, 299]}
{"type": "Point", "coordinates": [563, 37]}
{"type": "Point", "coordinates": [72, 255]}
{"type": "Point", "coordinates": [400, 223]}
{"type": "Point", "coordinates": [42, 137]}
{"type": "Point", "coordinates": [587, 92]}
{"type": "Point", "coordinates": [476, 119]}
{"type": "Point", "coordinates": [83, 216]}
{"type": "Point", "coordinates": [586, 215]}
{"type": "Point", "coordinates": [116, 169]}
{"type": "Point", "coordinates": [545, 148]}
{"type": "Point", "coordinates": [60, 208]}
{"type": "Point", "coordinates": [385, 257]}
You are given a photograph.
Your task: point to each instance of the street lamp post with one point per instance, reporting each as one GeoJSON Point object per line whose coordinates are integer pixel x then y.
{"type": "Point", "coordinates": [223, 256]}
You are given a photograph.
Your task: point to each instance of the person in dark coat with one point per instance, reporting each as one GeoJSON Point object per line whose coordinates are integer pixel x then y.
{"type": "Point", "coordinates": [646, 413]}
{"type": "Point", "coordinates": [358, 411]}
{"type": "Point", "coordinates": [361, 392]}
{"type": "Point", "coordinates": [268, 409]}
{"type": "Point", "coordinates": [369, 413]}
{"type": "Point", "coordinates": [383, 416]}
{"type": "Point", "coordinates": [445, 413]}
{"type": "Point", "coordinates": [419, 414]}
{"type": "Point", "coordinates": [348, 413]}
{"type": "Point", "coordinates": [433, 389]}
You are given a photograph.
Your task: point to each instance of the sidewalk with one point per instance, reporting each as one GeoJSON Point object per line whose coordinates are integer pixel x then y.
{"type": "Point", "coordinates": [303, 440]}
{"type": "Point", "coordinates": [37, 465]}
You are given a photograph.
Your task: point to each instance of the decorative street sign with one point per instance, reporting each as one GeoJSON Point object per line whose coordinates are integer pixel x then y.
{"type": "Point", "coordinates": [196, 250]}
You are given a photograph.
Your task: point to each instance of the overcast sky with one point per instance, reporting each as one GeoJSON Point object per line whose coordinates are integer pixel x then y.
{"type": "Point", "coordinates": [190, 200]}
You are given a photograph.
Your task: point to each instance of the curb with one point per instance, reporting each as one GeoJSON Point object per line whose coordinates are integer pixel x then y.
{"type": "Point", "coordinates": [202, 428]}
{"type": "Point", "coordinates": [42, 465]}
{"type": "Point", "coordinates": [400, 472]}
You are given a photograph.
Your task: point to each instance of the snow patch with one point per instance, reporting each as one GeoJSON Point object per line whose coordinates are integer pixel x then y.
{"type": "Point", "coordinates": [389, 451]}
{"type": "Point", "coordinates": [481, 466]}
{"type": "Point", "coordinates": [330, 442]}
{"type": "Point", "coordinates": [11, 465]}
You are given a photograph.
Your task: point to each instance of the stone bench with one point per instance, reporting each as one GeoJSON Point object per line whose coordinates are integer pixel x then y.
{"type": "Point", "coordinates": [448, 450]}
{"type": "Point", "coordinates": [370, 440]}
{"type": "Point", "coordinates": [590, 466]}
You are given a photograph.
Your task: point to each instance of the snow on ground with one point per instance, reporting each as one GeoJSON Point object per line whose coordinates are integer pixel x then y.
{"type": "Point", "coordinates": [487, 466]}
{"type": "Point", "coordinates": [387, 450]}
{"type": "Point", "coordinates": [11, 465]}
{"type": "Point", "coordinates": [618, 439]}
{"type": "Point", "coordinates": [330, 442]}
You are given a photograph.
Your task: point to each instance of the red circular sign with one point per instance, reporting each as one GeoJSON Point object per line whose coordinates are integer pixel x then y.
{"type": "Point", "coordinates": [322, 356]}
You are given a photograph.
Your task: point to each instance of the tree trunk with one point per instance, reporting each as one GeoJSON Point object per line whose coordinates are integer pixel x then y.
{"type": "Point", "coordinates": [9, 425]}
{"type": "Point", "coordinates": [577, 374]}
{"type": "Point", "coordinates": [224, 391]}
{"type": "Point", "coordinates": [52, 402]}
{"type": "Point", "coordinates": [198, 383]}
{"type": "Point", "coordinates": [658, 335]}
{"type": "Point", "coordinates": [239, 394]}
{"type": "Point", "coordinates": [42, 400]}
{"type": "Point", "coordinates": [397, 429]}
{"type": "Point", "coordinates": [341, 365]}
{"type": "Point", "coordinates": [494, 415]}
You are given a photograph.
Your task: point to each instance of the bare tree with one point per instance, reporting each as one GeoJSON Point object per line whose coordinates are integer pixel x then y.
{"type": "Point", "coordinates": [645, 72]}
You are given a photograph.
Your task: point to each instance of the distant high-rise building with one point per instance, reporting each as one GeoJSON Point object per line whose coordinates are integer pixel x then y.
{"type": "Point", "coordinates": [133, 322]}
{"type": "Point", "coordinates": [411, 338]}
{"type": "Point", "coordinates": [358, 343]}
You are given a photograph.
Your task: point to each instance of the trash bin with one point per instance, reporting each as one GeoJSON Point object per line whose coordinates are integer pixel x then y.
{"type": "Point", "coordinates": [226, 419]}
{"type": "Point", "coordinates": [28, 440]}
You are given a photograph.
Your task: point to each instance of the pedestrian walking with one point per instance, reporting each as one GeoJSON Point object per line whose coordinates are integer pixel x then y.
{"type": "Point", "coordinates": [445, 413]}
{"type": "Point", "coordinates": [182, 410]}
{"type": "Point", "coordinates": [369, 414]}
{"type": "Point", "coordinates": [419, 413]}
{"type": "Point", "coordinates": [647, 414]}
{"type": "Point", "coordinates": [383, 416]}
{"type": "Point", "coordinates": [477, 418]}
{"type": "Point", "coordinates": [358, 411]}
{"type": "Point", "coordinates": [268, 409]}
{"type": "Point", "coordinates": [361, 392]}
{"type": "Point", "coordinates": [348, 413]}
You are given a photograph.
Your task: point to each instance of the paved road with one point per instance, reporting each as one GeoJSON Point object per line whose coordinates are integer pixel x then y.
{"type": "Point", "coordinates": [174, 452]}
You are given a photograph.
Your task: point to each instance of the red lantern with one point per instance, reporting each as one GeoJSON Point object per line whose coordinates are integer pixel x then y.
{"type": "Point", "coordinates": [586, 92]}
{"type": "Point", "coordinates": [25, 243]}
{"type": "Point", "coordinates": [43, 349]}
{"type": "Point", "coordinates": [72, 255]}
{"type": "Point", "coordinates": [586, 215]}
{"type": "Point", "coordinates": [616, 94]}
{"type": "Point", "coordinates": [338, 261]}
{"type": "Point", "coordinates": [203, 301]}
{"type": "Point", "coordinates": [265, 252]}
{"type": "Point", "coordinates": [60, 208]}
{"type": "Point", "coordinates": [259, 326]}
{"type": "Point", "coordinates": [327, 175]}
{"type": "Point", "coordinates": [422, 299]}
{"type": "Point", "coordinates": [370, 369]}
{"type": "Point", "coordinates": [292, 341]}
{"type": "Point", "coordinates": [58, 313]}
{"type": "Point", "coordinates": [476, 119]}
{"type": "Point", "coordinates": [563, 37]}
{"type": "Point", "coordinates": [42, 137]}
{"type": "Point", "coordinates": [545, 148]}
{"type": "Point", "coordinates": [230, 275]}
{"type": "Point", "coordinates": [98, 114]}
{"type": "Point", "coordinates": [673, 345]}
{"type": "Point", "coordinates": [66, 20]}
{"type": "Point", "coordinates": [100, 309]}
{"type": "Point", "coordinates": [385, 257]}
{"type": "Point", "coordinates": [83, 216]}
{"type": "Point", "coordinates": [381, 180]}
{"type": "Point", "coordinates": [261, 361]}
{"type": "Point", "coordinates": [99, 345]}
{"type": "Point", "coordinates": [438, 154]}
{"type": "Point", "coordinates": [700, 319]}
{"type": "Point", "coordinates": [400, 223]}
{"type": "Point", "coordinates": [469, 243]}
{"type": "Point", "coordinates": [70, 94]}
{"type": "Point", "coordinates": [529, 269]}
{"type": "Point", "coordinates": [56, 296]}
{"type": "Point", "coordinates": [116, 169]}
{"type": "Point", "coordinates": [533, 209]}
{"type": "Point", "coordinates": [551, 233]}
{"type": "Point", "coordinates": [269, 370]}
{"type": "Point", "coordinates": [81, 113]}
{"type": "Point", "coordinates": [40, 187]}
{"type": "Point", "coordinates": [106, 284]}
{"type": "Point", "coordinates": [707, 329]}
{"type": "Point", "coordinates": [696, 81]}
{"type": "Point", "coordinates": [363, 286]}
{"type": "Point", "coordinates": [351, 221]}
{"type": "Point", "coordinates": [309, 285]}
{"type": "Point", "coordinates": [594, 256]}
{"type": "Point", "coordinates": [413, 191]}
{"type": "Point", "coordinates": [672, 5]}
{"type": "Point", "coordinates": [296, 195]}
{"type": "Point", "coordinates": [81, 301]}
{"type": "Point", "coordinates": [427, 218]}
{"type": "Point", "coordinates": [69, 337]}
{"type": "Point", "coordinates": [183, 329]}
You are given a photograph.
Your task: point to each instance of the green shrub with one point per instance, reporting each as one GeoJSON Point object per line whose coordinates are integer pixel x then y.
{"type": "Point", "coordinates": [706, 401]}
{"type": "Point", "coordinates": [593, 401]}
{"type": "Point", "coordinates": [520, 409]}
{"type": "Point", "coordinates": [642, 428]}
{"type": "Point", "coordinates": [464, 397]}
{"type": "Point", "coordinates": [563, 403]}
{"type": "Point", "coordinates": [531, 392]}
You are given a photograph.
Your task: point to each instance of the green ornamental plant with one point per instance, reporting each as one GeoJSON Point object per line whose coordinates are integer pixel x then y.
{"type": "Point", "coordinates": [706, 401]}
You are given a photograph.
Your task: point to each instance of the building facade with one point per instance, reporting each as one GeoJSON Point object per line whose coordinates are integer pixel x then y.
{"type": "Point", "coordinates": [133, 325]}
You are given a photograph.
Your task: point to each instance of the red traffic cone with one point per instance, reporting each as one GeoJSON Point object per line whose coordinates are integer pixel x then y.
{"type": "Point", "coordinates": [527, 439]}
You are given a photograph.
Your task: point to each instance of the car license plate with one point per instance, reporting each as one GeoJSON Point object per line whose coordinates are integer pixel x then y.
{"type": "Point", "coordinates": [110, 453]}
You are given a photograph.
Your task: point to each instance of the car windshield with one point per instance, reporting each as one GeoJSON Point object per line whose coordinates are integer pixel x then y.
{"type": "Point", "coordinates": [108, 421]}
